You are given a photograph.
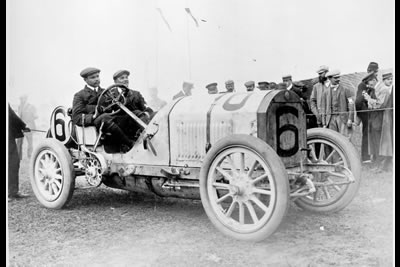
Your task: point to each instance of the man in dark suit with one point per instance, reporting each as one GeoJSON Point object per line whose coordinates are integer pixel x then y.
{"type": "Point", "coordinates": [134, 102]}
{"type": "Point", "coordinates": [16, 129]}
{"type": "Point", "coordinates": [300, 89]}
{"type": "Point", "coordinates": [84, 112]}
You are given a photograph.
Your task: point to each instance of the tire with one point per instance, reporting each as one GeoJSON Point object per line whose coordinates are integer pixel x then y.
{"type": "Point", "coordinates": [343, 194]}
{"type": "Point", "coordinates": [53, 185]}
{"type": "Point", "coordinates": [243, 189]}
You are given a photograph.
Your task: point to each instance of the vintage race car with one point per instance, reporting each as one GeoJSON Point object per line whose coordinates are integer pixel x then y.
{"type": "Point", "coordinates": [244, 154]}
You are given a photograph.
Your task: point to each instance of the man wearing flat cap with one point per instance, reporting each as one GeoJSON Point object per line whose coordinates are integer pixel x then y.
{"type": "Point", "coordinates": [84, 112]}
{"type": "Point", "coordinates": [212, 88]}
{"type": "Point", "coordinates": [249, 86]}
{"type": "Point", "coordinates": [317, 92]}
{"type": "Point", "coordinates": [230, 86]}
{"type": "Point", "coordinates": [135, 102]}
{"type": "Point", "coordinates": [365, 92]}
{"type": "Point", "coordinates": [263, 85]}
{"type": "Point", "coordinates": [336, 113]}
{"type": "Point", "coordinates": [187, 88]}
{"type": "Point", "coordinates": [290, 86]}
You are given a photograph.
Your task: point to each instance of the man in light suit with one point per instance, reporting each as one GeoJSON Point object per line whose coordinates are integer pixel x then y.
{"type": "Point", "coordinates": [317, 91]}
{"type": "Point", "coordinates": [336, 114]}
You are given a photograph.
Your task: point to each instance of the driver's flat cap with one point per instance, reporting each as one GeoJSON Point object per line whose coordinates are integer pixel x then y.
{"type": "Point", "coordinates": [119, 73]}
{"type": "Point", "coordinates": [88, 71]}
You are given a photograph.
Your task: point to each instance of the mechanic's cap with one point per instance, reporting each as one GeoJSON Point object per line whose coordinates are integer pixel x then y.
{"type": "Point", "coordinates": [372, 66]}
{"type": "Point", "coordinates": [88, 71]}
{"type": "Point", "coordinates": [370, 76]}
{"type": "Point", "coordinates": [211, 84]}
{"type": "Point", "coordinates": [249, 83]}
{"type": "Point", "coordinates": [287, 77]}
{"type": "Point", "coordinates": [229, 82]}
{"type": "Point", "coordinates": [119, 73]}
{"type": "Point", "coordinates": [282, 86]}
{"type": "Point", "coordinates": [272, 85]}
{"type": "Point", "coordinates": [263, 83]}
{"type": "Point", "coordinates": [387, 75]}
{"type": "Point", "coordinates": [322, 69]}
{"type": "Point", "coordinates": [333, 73]}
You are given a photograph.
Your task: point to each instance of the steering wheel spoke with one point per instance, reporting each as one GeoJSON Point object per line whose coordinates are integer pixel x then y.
{"type": "Point", "coordinates": [110, 99]}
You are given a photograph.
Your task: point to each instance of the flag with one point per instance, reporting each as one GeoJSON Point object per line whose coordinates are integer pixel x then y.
{"type": "Point", "coordinates": [163, 18]}
{"type": "Point", "coordinates": [191, 15]}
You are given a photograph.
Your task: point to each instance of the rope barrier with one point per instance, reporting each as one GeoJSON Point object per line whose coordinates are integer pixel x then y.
{"type": "Point", "coordinates": [357, 111]}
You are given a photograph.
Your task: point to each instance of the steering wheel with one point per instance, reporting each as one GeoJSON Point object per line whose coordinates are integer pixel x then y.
{"type": "Point", "coordinates": [108, 99]}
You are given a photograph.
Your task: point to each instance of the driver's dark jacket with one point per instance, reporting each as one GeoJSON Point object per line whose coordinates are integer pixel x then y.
{"type": "Point", "coordinates": [85, 102]}
{"type": "Point", "coordinates": [136, 103]}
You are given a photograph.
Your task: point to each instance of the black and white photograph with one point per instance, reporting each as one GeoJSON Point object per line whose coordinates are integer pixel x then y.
{"type": "Point", "coordinates": [200, 133]}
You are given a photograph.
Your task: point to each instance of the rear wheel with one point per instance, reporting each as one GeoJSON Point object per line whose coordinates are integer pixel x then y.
{"type": "Point", "coordinates": [244, 187]}
{"type": "Point", "coordinates": [336, 189]}
{"type": "Point", "coordinates": [52, 174]}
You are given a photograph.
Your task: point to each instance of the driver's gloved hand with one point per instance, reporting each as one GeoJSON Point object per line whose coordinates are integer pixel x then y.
{"type": "Point", "coordinates": [145, 118]}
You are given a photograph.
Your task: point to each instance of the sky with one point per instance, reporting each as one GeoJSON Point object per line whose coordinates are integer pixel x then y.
{"type": "Point", "coordinates": [50, 41]}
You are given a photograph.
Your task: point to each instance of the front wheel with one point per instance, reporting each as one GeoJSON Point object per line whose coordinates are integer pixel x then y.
{"type": "Point", "coordinates": [52, 174]}
{"type": "Point", "coordinates": [334, 190]}
{"type": "Point", "coordinates": [244, 187]}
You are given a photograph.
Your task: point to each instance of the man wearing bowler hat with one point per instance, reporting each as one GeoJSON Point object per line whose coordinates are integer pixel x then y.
{"type": "Point", "coordinates": [373, 67]}
{"type": "Point", "coordinates": [84, 112]}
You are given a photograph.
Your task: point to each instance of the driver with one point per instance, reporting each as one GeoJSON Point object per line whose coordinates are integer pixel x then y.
{"type": "Point", "coordinates": [84, 105]}
{"type": "Point", "coordinates": [135, 103]}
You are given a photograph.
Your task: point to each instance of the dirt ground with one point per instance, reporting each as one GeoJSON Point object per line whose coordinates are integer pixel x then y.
{"type": "Point", "coordinates": [109, 227]}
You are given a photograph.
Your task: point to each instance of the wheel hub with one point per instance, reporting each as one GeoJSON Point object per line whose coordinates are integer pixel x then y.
{"type": "Point", "coordinates": [93, 172]}
{"type": "Point", "coordinates": [242, 187]}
